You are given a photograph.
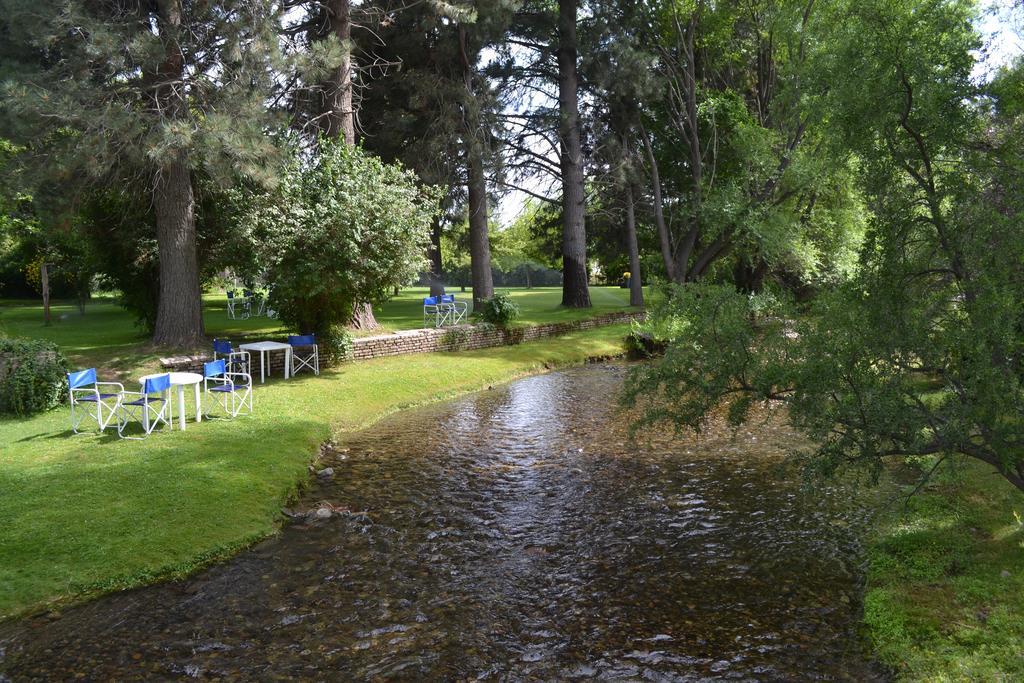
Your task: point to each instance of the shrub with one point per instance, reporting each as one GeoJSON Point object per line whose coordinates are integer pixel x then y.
{"type": "Point", "coordinates": [341, 228]}
{"type": "Point", "coordinates": [32, 376]}
{"type": "Point", "coordinates": [499, 310]}
{"type": "Point", "coordinates": [336, 345]}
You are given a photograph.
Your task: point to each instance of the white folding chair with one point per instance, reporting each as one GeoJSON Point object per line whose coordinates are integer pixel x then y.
{"type": "Point", "coordinates": [457, 309]}
{"type": "Point", "coordinates": [311, 359]}
{"type": "Point", "coordinates": [435, 312]}
{"type": "Point", "coordinates": [150, 407]}
{"type": "Point", "coordinates": [232, 391]}
{"type": "Point", "coordinates": [237, 361]}
{"type": "Point", "coordinates": [84, 392]}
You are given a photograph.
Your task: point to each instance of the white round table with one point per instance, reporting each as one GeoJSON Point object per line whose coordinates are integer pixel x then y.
{"type": "Point", "coordinates": [180, 380]}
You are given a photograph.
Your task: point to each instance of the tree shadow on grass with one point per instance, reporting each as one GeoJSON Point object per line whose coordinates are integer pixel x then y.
{"type": "Point", "coordinates": [134, 514]}
{"type": "Point", "coordinates": [107, 436]}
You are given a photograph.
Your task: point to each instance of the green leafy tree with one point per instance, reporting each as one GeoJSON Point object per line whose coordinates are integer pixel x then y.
{"type": "Point", "coordinates": [920, 353]}
{"type": "Point", "coordinates": [341, 228]}
{"type": "Point", "coordinates": [737, 135]}
{"type": "Point", "coordinates": [436, 112]}
{"type": "Point", "coordinates": [120, 93]}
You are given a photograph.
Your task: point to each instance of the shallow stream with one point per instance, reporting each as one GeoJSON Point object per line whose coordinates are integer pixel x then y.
{"type": "Point", "coordinates": [514, 534]}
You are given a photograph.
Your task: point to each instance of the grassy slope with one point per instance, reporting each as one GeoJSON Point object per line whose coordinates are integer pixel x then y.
{"type": "Point", "coordinates": [90, 513]}
{"type": "Point", "coordinates": [945, 597]}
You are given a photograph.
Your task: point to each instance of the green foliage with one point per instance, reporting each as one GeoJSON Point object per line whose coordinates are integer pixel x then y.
{"type": "Point", "coordinates": [340, 228]}
{"type": "Point", "coordinates": [336, 346]}
{"type": "Point", "coordinates": [944, 598]}
{"type": "Point", "coordinates": [32, 376]}
{"type": "Point", "coordinates": [919, 352]}
{"type": "Point", "coordinates": [81, 90]}
{"type": "Point", "coordinates": [499, 310]}
{"type": "Point", "coordinates": [455, 338]}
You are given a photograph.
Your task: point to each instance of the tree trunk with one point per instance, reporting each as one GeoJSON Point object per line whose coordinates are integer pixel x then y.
{"type": "Point", "coordinates": [363, 318]}
{"type": "Point", "coordinates": [179, 315]}
{"type": "Point", "coordinates": [44, 281]}
{"type": "Point", "coordinates": [479, 241]}
{"type": "Point", "coordinates": [434, 251]}
{"type": "Point", "coordinates": [636, 287]}
{"type": "Point", "coordinates": [667, 257]}
{"type": "Point", "coordinates": [338, 120]}
{"type": "Point", "coordinates": [575, 293]}
{"type": "Point", "coordinates": [749, 276]}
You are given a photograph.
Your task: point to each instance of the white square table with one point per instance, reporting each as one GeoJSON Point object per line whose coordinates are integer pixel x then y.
{"type": "Point", "coordinates": [179, 380]}
{"type": "Point", "coordinates": [265, 347]}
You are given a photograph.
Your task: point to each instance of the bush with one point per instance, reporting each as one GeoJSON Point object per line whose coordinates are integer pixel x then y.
{"type": "Point", "coordinates": [342, 228]}
{"type": "Point", "coordinates": [32, 376]}
{"type": "Point", "coordinates": [336, 346]}
{"type": "Point", "coordinates": [499, 310]}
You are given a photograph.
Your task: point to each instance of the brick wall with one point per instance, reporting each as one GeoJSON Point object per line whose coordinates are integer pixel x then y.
{"type": "Point", "coordinates": [464, 337]}
{"type": "Point", "coordinates": [459, 338]}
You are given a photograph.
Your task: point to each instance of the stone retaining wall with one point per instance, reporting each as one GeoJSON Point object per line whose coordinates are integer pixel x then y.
{"type": "Point", "coordinates": [465, 337]}
{"type": "Point", "coordinates": [458, 338]}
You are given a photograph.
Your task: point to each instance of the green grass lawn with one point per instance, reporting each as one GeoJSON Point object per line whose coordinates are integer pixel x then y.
{"type": "Point", "coordinates": [945, 598]}
{"type": "Point", "coordinates": [90, 513]}
{"type": "Point", "coordinates": [107, 337]}
{"type": "Point", "coordinates": [537, 305]}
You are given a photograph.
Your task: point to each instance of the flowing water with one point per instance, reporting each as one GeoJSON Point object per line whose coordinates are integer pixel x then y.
{"type": "Point", "coordinates": [515, 534]}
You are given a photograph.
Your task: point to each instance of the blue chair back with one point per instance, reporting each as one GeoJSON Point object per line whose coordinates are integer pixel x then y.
{"type": "Point", "coordinates": [447, 298]}
{"type": "Point", "coordinates": [231, 294]}
{"type": "Point", "coordinates": [248, 292]}
{"type": "Point", "coordinates": [302, 339]}
{"type": "Point", "coordinates": [221, 346]}
{"type": "Point", "coordinates": [430, 301]}
{"type": "Point", "coordinates": [82, 378]}
{"type": "Point", "coordinates": [215, 368]}
{"type": "Point", "coordinates": [155, 385]}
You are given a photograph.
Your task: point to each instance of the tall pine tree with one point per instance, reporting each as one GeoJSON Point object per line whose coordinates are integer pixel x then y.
{"type": "Point", "coordinates": [147, 94]}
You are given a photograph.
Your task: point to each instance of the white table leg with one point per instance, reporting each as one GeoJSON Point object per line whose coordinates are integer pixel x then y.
{"type": "Point", "coordinates": [181, 406]}
{"type": "Point", "coordinates": [263, 355]}
{"type": "Point", "coordinates": [199, 405]}
{"type": "Point", "coordinates": [287, 363]}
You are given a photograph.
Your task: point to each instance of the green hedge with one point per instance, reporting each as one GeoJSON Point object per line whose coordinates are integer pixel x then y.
{"type": "Point", "coordinates": [32, 376]}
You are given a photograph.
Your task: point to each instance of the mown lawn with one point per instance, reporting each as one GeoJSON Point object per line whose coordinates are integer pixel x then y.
{"type": "Point", "coordinates": [107, 337]}
{"type": "Point", "coordinates": [90, 513]}
{"type": "Point", "coordinates": [537, 305]}
{"type": "Point", "coordinates": [945, 598]}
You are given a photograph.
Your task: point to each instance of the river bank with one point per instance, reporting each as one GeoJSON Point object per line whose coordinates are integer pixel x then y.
{"type": "Point", "coordinates": [945, 579]}
{"type": "Point", "coordinates": [515, 533]}
{"type": "Point", "coordinates": [88, 515]}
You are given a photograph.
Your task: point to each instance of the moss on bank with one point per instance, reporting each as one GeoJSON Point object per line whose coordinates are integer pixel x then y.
{"type": "Point", "coordinates": [945, 598]}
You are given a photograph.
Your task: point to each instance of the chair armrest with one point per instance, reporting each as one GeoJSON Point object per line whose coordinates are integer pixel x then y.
{"type": "Point", "coordinates": [130, 393]}
{"type": "Point", "coordinates": [111, 384]}
{"type": "Point", "coordinates": [248, 378]}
